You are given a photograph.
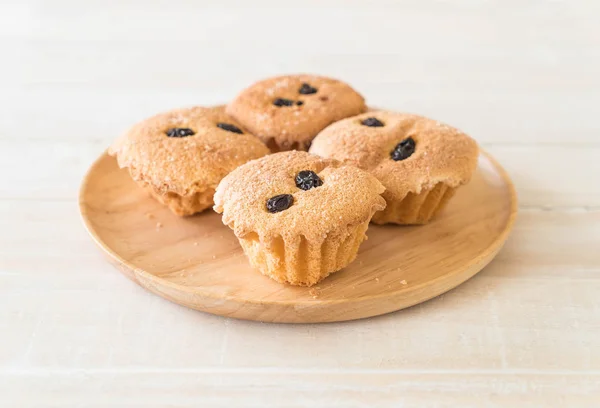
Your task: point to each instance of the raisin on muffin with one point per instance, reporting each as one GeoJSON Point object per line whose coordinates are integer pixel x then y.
{"type": "Point", "coordinates": [180, 156]}
{"type": "Point", "coordinates": [421, 162]}
{"type": "Point", "coordinates": [287, 112]}
{"type": "Point", "coordinates": [297, 216]}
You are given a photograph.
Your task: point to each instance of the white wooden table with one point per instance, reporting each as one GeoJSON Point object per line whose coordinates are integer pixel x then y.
{"type": "Point", "coordinates": [523, 77]}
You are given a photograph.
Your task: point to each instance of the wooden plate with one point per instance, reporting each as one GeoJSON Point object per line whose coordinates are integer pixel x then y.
{"type": "Point", "coordinates": [197, 261]}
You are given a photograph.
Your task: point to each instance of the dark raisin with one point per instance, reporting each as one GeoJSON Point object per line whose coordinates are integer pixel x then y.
{"type": "Point", "coordinates": [306, 89]}
{"type": "Point", "coordinates": [230, 128]}
{"type": "Point", "coordinates": [372, 122]}
{"type": "Point", "coordinates": [299, 103]}
{"type": "Point", "coordinates": [180, 132]}
{"type": "Point", "coordinates": [307, 179]}
{"type": "Point", "coordinates": [283, 102]}
{"type": "Point", "coordinates": [403, 150]}
{"type": "Point", "coordinates": [279, 203]}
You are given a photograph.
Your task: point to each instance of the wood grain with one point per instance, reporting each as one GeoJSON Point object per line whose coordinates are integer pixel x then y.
{"type": "Point", "coordinates": [352, 389]}
{"type": "Point", "coordinates": [197, 261]}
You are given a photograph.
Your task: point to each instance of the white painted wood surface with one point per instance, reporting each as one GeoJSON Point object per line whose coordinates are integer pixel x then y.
{"type": "Point", "coordinates": [520, 76]}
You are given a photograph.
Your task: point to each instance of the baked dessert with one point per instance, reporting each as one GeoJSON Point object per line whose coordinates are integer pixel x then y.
{"type": "Point", "coordinates": [298, 217]}
{"type": "Point", "coordinates": [287, 112]}
{"type": "Point", "coordinates": [421, 162]}
{"type": "Point", "coordinates": [180, 156]}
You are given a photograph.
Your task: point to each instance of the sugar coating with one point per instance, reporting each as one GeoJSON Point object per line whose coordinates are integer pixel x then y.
{"type": "Point", "coordinates": [443, 154]}
{"type": "Point", "coordinates": [293, 127]}
{"type": "Point", "coordinates": [189, 165]}
{"type": "Point", "coordinates": [348, 197]}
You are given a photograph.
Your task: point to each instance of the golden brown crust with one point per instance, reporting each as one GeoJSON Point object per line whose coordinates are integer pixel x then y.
{"type": "Point", "coordinates": [442, 154]}
{"type": "Point", "coordinates": [348, 197]}
{"type": "Point", "coordinates": [185, 169]}
{"type": "Point", "coordinates": [319, 234]}
{"type": "Point", "coordinates": [301, 262]}
{"type": "Point", "coordinates": [293, 127]}
{"type": "Point", "coordinates": [415, 208]}
{"type": "Point", "coordinates": [187, 204]}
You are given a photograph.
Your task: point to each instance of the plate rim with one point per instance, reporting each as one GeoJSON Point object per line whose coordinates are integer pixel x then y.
{"type": "Point", "coordinates": [489, 252]}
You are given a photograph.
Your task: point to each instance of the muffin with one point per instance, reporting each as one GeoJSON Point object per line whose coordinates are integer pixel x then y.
{"type": "Point", "coordinates": [180, 156]}
{"type": "Point", "coordinates": [287, 112]}
{"type": "Point", "coordinates": [421, 162]}
{"type": "Point", "coordinates": [297, 216]}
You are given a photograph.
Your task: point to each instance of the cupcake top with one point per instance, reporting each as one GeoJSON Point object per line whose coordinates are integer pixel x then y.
{"type": "Point", "coordinates": [186, 150]}
{"type": "Point", "coordinates": [406, 152]}
{"type": "Point", "coordinates": [289, 111]}
{"type": "Point", "coordinates": [295, 193]}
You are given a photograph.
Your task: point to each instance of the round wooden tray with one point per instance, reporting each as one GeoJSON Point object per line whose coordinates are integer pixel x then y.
{"type": "Point", "coordinates": [197, 261]}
